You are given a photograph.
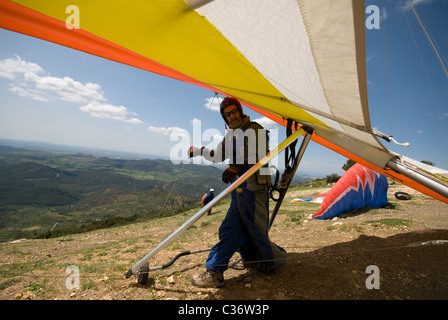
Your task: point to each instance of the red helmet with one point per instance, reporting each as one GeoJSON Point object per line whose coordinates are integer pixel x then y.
{"type": "Point", "coordinates": [230, 102]}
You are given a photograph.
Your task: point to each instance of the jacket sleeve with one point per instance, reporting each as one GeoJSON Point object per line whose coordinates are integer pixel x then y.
{"type": "Point", "coordinates": [216, 155]}
{"type": "Point", "coordinates": [243, 148]}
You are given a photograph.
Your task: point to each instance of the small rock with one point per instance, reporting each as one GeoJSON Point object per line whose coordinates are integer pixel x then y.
{"type": "Point", "coordinates": [28, 295]}
{"type": "Point", "coordinates": [17, 241]}
{"type": "Point", "coordinates": [248, 285]}
{"type": "Point", "coordinates": [171, 280]}
{"type": "Point", "coordinates": [73, 295]}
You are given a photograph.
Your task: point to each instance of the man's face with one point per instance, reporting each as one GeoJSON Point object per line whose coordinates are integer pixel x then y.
{"type": "Point", "coordinates": [233, 116]}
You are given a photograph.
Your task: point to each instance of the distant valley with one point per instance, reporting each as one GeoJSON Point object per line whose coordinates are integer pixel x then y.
{"type": "Point", "coordinates": [50, 193]}
{"type": "Point", "coordinates": [45, 194]}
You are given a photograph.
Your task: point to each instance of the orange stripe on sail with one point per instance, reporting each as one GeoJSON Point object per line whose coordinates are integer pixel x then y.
{"type": "Point", "coordinates": [23, 20]}
{"type": "Point", "coordinates": [387, 172]}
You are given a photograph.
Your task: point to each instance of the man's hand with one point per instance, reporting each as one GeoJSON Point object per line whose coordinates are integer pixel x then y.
{"type": "Point", "coordinates": [194, 152]}
{"type": "Point", "coordinates": [229, 175]}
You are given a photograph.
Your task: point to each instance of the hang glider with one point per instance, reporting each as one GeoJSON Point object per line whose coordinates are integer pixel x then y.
{"type": "Point", "coordinates": [300, 60]}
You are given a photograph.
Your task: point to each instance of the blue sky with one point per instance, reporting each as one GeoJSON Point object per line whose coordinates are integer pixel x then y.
{"type": "Point", "coordinates": [55, 94]}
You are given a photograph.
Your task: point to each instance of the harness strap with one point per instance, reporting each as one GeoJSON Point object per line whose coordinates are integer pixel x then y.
{"type": "Point", "coordinates": [292, 161]}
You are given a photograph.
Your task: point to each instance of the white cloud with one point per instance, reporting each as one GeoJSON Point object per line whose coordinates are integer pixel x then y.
{"type": "Point", "coordinates": [168, 131]}
{"type": "Point", "coordinates": [266, 123]}
{"type": "Point", "coordinates": [68, 89]}
{"type": "Point", "coordinates": [371, 57]}
{"type": "Point", "coordinates": [10, 68]}
{"type": "Point", "coordinates": [108, 111]}
{"type": "Point", "coordinates": [28, 93]}
{"type": "Point", "coordinates": [420, 2]}
{"type": "Point", "coordinates": [384, 13]}
{"type": "Point", "coordinates": [29, 81]}
{"type": "Point", "coordinates": [407, 7]}
{"type": "Point", "coordinates": [213, 103]}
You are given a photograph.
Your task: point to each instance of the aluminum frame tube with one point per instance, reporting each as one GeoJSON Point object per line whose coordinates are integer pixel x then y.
{"type": "Point", "coordinates": [397, 166]}
{"type": "Point", "coordinates": [300, 153]}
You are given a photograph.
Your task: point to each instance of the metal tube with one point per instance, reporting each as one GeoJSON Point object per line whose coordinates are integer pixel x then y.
{"type": "Point", "coordinates": [216, 200]}
{"type": "Point", "coordinates": [420, 178]}
{"type": "Point", "coordinates": [303, 146]}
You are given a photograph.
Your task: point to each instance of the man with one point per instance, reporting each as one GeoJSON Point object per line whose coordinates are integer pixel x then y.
{"type": "Point", "coordinates": [245, 227]}
{"type": "Point", "coordinates": [206, 198]}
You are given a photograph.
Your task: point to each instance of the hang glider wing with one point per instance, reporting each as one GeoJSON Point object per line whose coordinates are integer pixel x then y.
{"type": "Point", "coordinates": [287, 59]}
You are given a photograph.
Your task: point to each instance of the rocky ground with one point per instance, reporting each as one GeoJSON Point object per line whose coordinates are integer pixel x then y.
{"type": "Point", "coordinates": [391, 250]}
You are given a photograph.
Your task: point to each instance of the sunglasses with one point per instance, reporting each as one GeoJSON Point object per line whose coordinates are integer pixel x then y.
{"type": "Point", "coordinates": [227, 114]}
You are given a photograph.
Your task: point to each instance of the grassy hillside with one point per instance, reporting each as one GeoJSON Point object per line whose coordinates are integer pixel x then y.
{"type": "Point", "coordinates": [43, 194]}
{"type": "Point", "coordinates": [327, 259]}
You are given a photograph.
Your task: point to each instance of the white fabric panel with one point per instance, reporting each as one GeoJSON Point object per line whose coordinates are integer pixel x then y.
{"type": "Point", "coordinates": [307, 50]}
{"type": "Point", "coordinates": [272, 36]}
{"type": "Point", "coordinates": [330, 26]}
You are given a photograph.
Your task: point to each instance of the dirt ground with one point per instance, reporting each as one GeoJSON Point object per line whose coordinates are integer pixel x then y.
{"type": "Point", "coordinates": [376, 254]}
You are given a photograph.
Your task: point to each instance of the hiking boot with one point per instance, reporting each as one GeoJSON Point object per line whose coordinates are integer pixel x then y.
{"type": "Point", "coordinates": [208, 279]}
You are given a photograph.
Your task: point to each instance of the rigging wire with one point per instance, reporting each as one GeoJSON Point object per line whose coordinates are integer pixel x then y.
{"type": "Point", "coordinates": [314, 250]}
{"type": "Point", "coordinates": [386, 68]}
{"type": "Point", "coordinates": [429, 38]}
{"type": "Point", "coordinates": [424, 67]}
{"type": "Point", "coordinates": [215, 96]}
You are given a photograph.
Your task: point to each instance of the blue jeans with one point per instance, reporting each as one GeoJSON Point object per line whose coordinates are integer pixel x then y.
{"type": "Point", "coordinates": [245, 230]}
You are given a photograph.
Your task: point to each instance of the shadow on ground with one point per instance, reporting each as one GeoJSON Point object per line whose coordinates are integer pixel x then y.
{"type": "Point", "coordinates": [407, 269]}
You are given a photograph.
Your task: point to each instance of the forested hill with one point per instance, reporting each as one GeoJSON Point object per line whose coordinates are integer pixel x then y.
{"type": "Point", "coordinates": [50, 193]}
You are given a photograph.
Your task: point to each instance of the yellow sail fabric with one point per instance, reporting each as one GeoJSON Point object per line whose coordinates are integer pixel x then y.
{"type": "Point", "coordinates": [287, 59]}
{"type": "Point", "coordinates": [296, 60]}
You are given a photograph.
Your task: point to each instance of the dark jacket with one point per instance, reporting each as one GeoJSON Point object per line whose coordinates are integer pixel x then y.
{"type": "Point", "coordinates": [243, 147]}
